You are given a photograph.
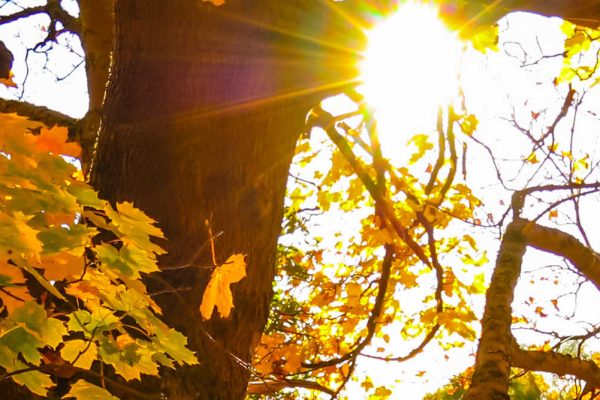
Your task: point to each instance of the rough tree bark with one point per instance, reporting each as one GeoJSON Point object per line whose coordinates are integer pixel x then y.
{"type": "Point", "coordinates": [201, 117]}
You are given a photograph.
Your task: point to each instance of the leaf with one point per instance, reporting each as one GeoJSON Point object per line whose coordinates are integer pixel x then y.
{"type": "Point", "coordinates": [117, 260]}
{"type": "Point", "coordinates": [486, 39]}
{"type": "Point", "coordinates": [129, 357]}
{"type": "Point", "coordinates": [21, 341]}
{"type": "Point", "coordinates": [54, 140]}
{"type": "Point", "coordinates": [8, 82]}
{"type": "Point", "coordinates": [422, 143]}
{"type": "Point", "coordinates": [62, 266]}
{"type": "Point", "coordinates": [85, 195]}
{"type": "Point", "coordinates": [43, 281]}
{"type": "Point", "coordinates": [80, 353]}
{"type": "Point", "coordinates": [532, 158]}
{"type": "Point", "coordinates": [33, 316]}
{"type": "Point", "coordinates": [135, 227]}
{"type": "Point", "coordinates": [173, 343]}
{"type": "Point", "coordinates": [18, 237]}
{"type": "Point", "coordinates": [218, 293]}
{"type": "Point", "coordinates": [469, 124]}
{"type": "Point", "coordinates": [83, 390]}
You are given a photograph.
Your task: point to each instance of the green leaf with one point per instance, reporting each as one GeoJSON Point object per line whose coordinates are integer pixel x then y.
{"type": "Point", "coordinates": [127, 262]}
{"type": "Point", "coordinates": [22, 342]}
{"type": "Point", "coordinates": [133, 226]}
{"type": "Point", "coordinates": [102, 320]}
{"type": "Point", "coordinates": [85, 195]}
{"type": "Point", "coordinates": [129, 358]}
{"type": "Point", "coordinates": [35, 381]}
{"type": "Point", "coordinates": [71, 239]}
{"type": "Point", "coordinates": [83, 390]}
{"type": "Point", "coordinates": [174, 344]}
{"type": "Point", "coordinates": [34, 318]}
{"type": "Point", "coordinates": [17, 237]}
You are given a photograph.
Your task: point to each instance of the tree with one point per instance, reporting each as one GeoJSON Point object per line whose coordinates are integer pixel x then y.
{"type": "Point", "coordinates": [203, 108]}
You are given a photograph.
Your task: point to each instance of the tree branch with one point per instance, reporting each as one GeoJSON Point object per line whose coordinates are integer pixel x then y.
{"type": "Point", "coordinates": [42, 114]}
{"type": "Point", "coordinates": [53, 9]}
{"type": "Point", "coordinates": [556, 363]}
{"type": "Point", "coordinates": [321, 118]}
{"type": "Point", "coordinates": [270, 386]}
{"type": "Point", "coordinates": [373, 318]}
{"type": "Point", "coordinates": [562, 244]}
{"type": "Point", "coordinates": [25, 13]}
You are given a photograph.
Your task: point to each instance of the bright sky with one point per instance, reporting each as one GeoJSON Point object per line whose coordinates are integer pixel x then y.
{"type": "Point", "coordinates": [493, 84]}
{"type": "Point", "coordinates": [407, 75]}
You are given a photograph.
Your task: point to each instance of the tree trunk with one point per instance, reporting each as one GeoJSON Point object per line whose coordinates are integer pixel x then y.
{"type": "Point", "coordinates": [201, 117]}
{"type": "Point", "coordinates": [492, 366]}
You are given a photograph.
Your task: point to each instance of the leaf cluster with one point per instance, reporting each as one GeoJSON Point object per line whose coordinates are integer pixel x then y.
{"type": "Point", "coordinates": [71, 267]}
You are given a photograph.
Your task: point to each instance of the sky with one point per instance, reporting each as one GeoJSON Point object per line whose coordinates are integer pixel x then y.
{"type": "Point", "coordinates": [514, 82]}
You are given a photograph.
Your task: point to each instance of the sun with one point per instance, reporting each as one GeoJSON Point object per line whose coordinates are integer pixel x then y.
{"type": "Point", "coordinates": [409, 69]}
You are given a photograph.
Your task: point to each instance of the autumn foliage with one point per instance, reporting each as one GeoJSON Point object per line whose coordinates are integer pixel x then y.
{"type": "Point", "coordinates": [70, 272]}
{"type": "Point", "coordinates": [380, 258]}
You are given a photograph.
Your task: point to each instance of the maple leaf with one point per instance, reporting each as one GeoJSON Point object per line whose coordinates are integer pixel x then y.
{"type": "Point", "coordinates": [85, 390]}
{"type": "Point", "coordinates": [218, 293]}
{"type": "Point", "coordinates": [16, 236]}
{"type": "Point", "coordinates": [54, 140]}
{"type": "Point", "coordinates": [79, 352]}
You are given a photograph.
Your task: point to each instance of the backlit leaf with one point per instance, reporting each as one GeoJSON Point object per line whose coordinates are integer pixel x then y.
{"type": "Point", "coordinates": [83, 390]}
{"type": "Point", "coordinates": [218, 292]}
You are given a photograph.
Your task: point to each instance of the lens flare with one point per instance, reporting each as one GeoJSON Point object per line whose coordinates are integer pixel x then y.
{"type": "Point", "coordinates": [410, 68]}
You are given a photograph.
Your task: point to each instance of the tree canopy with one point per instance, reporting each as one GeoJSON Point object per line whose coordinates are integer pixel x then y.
{"type": "Point", "coordinates": [472, 238]}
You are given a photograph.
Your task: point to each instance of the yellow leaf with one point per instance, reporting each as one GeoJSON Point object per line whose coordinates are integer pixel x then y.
{"type": "Point", "coordinates": [532, 159]}
{"type": "Point", "coordinates": [218, 293]}
{"type": "Point", "coordinates": [486, 39]}
{"type": "Point", "coordinates": [79, 352]}
{"type": "Point", "coordinates": [19, 237]}
{"type": "Point", "coordinates": [468, 124]}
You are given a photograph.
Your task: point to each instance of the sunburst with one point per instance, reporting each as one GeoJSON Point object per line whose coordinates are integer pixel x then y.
{"type": "Point", "coordinates": [409, 69]}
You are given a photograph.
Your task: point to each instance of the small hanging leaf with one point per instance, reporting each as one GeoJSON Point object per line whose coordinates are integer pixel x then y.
{"type": "Point", "coordinates": [218, 293]}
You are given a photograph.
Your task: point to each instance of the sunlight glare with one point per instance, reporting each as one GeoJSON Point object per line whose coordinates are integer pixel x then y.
{"type": "Point", "coordinates": [410, 69]}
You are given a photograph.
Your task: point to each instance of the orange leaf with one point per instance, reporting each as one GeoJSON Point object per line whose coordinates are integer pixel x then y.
{"type": "Point", "coordinates": [62, 266]}
{"type": "Point", "coordinates": [8, 81]}
{"type": "Point", "coordinates": [54, 140]}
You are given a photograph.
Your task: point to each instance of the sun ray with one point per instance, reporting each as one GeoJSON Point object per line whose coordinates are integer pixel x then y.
{"type": "Point", "coordinates": [409, 70]}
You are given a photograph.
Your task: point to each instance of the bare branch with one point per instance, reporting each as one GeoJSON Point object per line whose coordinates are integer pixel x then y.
{"type": "Point", "coordinates": [562, 244]}
{"type": "Point", "coordinates": [270, 386]}
{"type": "Point", "coordinates": [556, 363]}
{"type": "Point", "coordinates": [27, 12]}
{"type": "Point", "coordinates": [53, 9]}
